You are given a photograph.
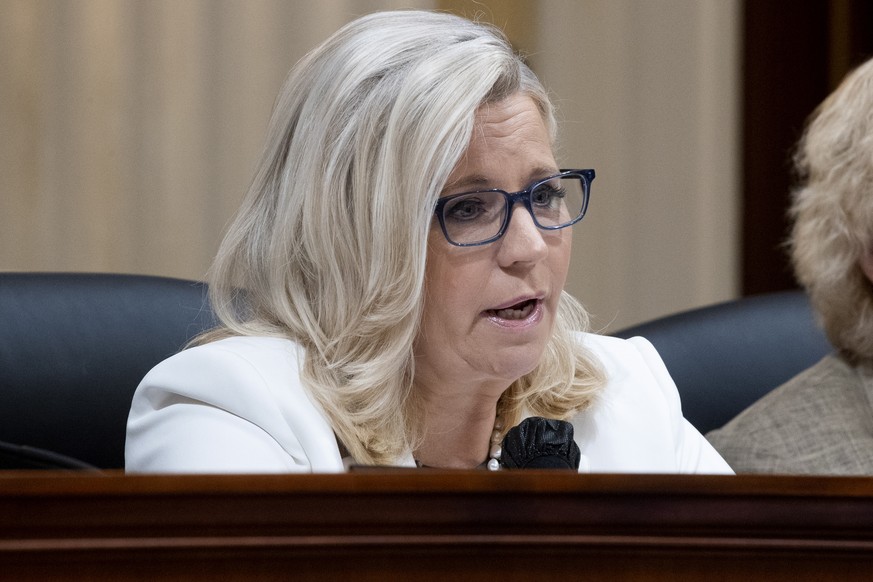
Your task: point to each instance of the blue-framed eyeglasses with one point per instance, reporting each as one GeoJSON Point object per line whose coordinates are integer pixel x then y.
{"type": "Point", "coordinates": [478, 218]}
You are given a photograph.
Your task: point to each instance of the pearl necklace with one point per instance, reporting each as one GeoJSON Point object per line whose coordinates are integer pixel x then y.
{"type": "Point", "coordinates": [495, 450]}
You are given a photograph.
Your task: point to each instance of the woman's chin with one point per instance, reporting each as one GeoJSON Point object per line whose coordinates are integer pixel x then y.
{"type": "Point", "coordinates": [516, 363]}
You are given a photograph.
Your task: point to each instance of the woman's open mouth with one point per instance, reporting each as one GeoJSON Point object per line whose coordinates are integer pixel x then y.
{"type": "Point", "coordinates": [517, 312]}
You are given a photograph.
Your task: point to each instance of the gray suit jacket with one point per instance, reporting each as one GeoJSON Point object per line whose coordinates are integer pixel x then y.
{"type": "Point", "coordinates": [819, 422]}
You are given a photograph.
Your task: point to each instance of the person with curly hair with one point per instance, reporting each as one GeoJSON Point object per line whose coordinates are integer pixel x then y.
{"type": "Point", "coordinates": [821, 421]}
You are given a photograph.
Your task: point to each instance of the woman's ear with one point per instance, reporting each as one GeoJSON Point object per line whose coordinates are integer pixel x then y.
{"type": "Point", "coordinates": [866, 262]}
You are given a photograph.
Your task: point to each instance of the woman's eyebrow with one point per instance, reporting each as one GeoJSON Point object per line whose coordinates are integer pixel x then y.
{"type": "Point", "coordinates": [479, 182]}
{"type": "Point", "coordinates": [467, 183]}
{"type": "Point", "coordinates": [542, 172]}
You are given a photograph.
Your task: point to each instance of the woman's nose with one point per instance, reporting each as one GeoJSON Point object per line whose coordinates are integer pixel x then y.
{"type": "Point", "coordinates": [522, 242]}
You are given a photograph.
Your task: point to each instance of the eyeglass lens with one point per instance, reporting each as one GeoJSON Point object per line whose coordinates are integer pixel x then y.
{"type": "Point", "coordinates": [479, 216]}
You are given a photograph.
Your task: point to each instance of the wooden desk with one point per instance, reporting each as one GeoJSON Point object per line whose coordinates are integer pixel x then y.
{"type": "Point", "coordinates": [420, 525]}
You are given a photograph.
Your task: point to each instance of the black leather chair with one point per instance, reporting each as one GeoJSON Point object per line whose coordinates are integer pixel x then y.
{"type": "Point", "coordinates": [724, 357]}
{"type": "Point", "coordinates": [73, 348]}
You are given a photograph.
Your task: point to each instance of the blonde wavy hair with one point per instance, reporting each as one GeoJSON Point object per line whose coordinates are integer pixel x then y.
{"type": "Point", "coordinates": [329, 246]}
{"type": "Point", "coordinates": [832, 213]}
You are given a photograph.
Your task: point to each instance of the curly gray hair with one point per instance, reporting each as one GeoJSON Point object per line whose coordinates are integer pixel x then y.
{"type": "Point", "coordinates": [832, 210]}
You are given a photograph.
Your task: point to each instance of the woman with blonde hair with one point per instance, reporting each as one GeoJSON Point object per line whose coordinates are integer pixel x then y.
{"type": "Point", "coordinates": [821, 421]}
{"type": "Point", "coordinates": [391, 291]}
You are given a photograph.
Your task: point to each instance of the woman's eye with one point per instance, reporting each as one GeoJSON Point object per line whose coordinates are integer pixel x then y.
{"type": "Point", "coordinates": [466, 209]}
{"type": "Point", "coordinates": [546, 195]}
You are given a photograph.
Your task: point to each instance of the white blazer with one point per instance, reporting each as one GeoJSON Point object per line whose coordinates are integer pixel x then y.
{"type": "Point", "coordinates": [237, 406]}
